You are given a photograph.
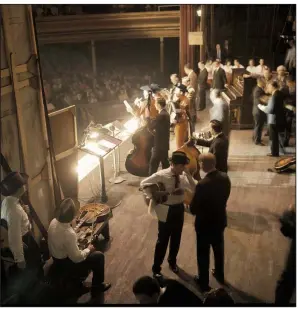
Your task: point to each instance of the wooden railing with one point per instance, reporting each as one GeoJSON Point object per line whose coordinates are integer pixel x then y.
{"type": "Point", "coordinates": [80, 28]}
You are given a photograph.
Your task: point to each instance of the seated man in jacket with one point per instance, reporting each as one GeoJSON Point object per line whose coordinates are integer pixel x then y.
{"type": "Point", "coordinates": [67, 256]}
{"type": "Point", "coordinates": [218, 145]}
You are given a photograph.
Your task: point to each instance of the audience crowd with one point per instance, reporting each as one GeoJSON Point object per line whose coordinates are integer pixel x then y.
{"type": "Point", "coordinates": [73, 82]}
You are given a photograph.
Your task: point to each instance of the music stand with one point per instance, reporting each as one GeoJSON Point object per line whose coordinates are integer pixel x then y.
{"type": "Point", "coordinates": [115, 127]}
{"type": "Point", "coordinates": [101, 147]}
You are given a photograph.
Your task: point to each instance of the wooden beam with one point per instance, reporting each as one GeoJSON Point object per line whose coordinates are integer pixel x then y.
{"type": "Point", "coordinates": [66, 153]}
{"type": "Point", "coordinates": [8, 36]}
{"type": "Point", "coordinates": [8, 89]}
{"type": "Point", "coordinates": [19, 69]}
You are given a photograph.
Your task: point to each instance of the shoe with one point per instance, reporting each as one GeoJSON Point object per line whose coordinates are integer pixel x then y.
{"type": "Point", "coordinates": [174, 268]}
{"type": "Point", "coordinates": [105, 286]}
{"type": "Point", "coordinates": [201, 109]}
{"type": "Point", "coordinates": [159, 278]}
{"type": "Point", "coordinates": [204, 288]}
{"type": "Point", "coordinates": [219, 279]}
{"type": "Point", "coordinates": [260, 144]}
{"type": "Point", "coordinates": [271, 155]}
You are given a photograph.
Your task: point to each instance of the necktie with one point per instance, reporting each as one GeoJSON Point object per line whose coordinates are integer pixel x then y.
{"type": "Point", "coordinates": [177, 181]}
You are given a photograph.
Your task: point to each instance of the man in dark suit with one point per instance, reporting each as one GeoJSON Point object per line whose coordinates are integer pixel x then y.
{"type": "Point", "coordinates": [219, 77]}
{"type": "Point", "coordinates": [218, 145]}
{"type": "Point", "coordinates": [218, 53]}
{"type": "Point", "coordinates": [227, 53]}
{"type": "Point", "coordinates": [276, 117]}
{"type": "Point", "coordinates": [209, 206]}
{"type": "Point", "coordinates": [260, 117]}
{"type": "Point", "coordinates": [202, 86]}
{"type": "Point", "coordinates": [161, 127]}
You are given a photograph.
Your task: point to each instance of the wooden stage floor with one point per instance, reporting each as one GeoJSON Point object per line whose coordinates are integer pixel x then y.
{"type": "Point", "coordinates": [255, 250]}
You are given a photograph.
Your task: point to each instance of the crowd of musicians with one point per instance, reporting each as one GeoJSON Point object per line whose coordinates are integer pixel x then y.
{"type": "Point", "coordinates": [160, 110]}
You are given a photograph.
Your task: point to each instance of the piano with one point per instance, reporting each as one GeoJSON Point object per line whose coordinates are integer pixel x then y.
{"type": "Point", "coordinates": [240, 99]}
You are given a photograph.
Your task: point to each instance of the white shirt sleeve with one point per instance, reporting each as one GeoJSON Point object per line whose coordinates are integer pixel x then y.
{"type": "Point", "coordinates": [15, 234]}
{"type": "Point", "coordinates": [189, 182]}
{"type": "Point", "coordinates": [72, 249]}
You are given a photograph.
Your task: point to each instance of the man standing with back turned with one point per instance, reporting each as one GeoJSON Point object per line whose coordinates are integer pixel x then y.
{"type": "Point", "coordinates": [209, 206]}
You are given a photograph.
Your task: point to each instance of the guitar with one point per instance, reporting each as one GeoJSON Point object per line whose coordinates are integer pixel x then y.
{"type": "Point", "coordinates": [284, 164]}
{"type": "Point", "coordinates": [154, 189]}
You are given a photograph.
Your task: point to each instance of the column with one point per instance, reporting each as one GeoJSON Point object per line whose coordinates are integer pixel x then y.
{"type": "Point", "coordinates": [188, 15]}
{"type": "Point", "coordinates": [203, 29]}
{"type": "Point", "coordinates": [162, 55]}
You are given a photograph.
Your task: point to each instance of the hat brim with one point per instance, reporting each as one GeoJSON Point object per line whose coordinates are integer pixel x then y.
{"type": "Point", "coordinates": [146, 88]}
{"type": "Point", "coordinates": [183, 161]}
{"type": "Point", "coordinates": [23, 181]}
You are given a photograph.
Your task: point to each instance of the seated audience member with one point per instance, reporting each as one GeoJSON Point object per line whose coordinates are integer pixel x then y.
{"type": "Point", "coordinates": [218, 297]}
{"type": "Point", "coordinates": [148, 292]}
{"type": "Point", "coordinates": [237, 64]}
{"type": "Point", "coordinates": [218, 145]}
{"type": "Point", "coordinates": [251, 67]}
{"type": "Point", "coordinates": [67, 256]}
{"type": "Point", "coordinates": [261, 67]}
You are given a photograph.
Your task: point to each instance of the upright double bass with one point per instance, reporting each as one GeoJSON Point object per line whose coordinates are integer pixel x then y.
{"type": "Point", "coordinates": [137, 160]}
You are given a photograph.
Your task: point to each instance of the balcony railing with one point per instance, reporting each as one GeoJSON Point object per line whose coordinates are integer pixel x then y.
{"type": "Point", "coordinates": [80, 28]}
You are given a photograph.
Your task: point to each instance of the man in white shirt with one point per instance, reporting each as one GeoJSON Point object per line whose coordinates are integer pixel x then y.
{"type": "Point", "coordinates": [170, 213]}
{"type": "Point", "coordinates": [261, 68]}
{"type": "Point", "coordinates": [251, 67]}
{"type": "Point", "coordinates": [221, 112]}
{"type": "Point", "coordinates": [21, 243]}
{"type": "Point", "coordinates": [67, 256]}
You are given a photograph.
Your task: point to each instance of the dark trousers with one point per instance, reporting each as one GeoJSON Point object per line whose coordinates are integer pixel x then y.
{"type": "Point", "coordinates": [202, 98]}
{"type": "Point", "coordinates": [275, 133]}
{"type": "Point", "coordinates": [289, 119]}
{"type": "Point", "coordinates": [170, 230]}
{"type": "Point", "coordinates": [95, 261]}
{"type": "Point", "coordinates": [31, 253]}
{"type": "Point", "coordinates": [259, 122]}
{"type": "Point", "coordinates": [157, 157]}
{"type": "Point", "coordinates": [206, 239]}
{"type": "Point", "coordinates": [287, 282]}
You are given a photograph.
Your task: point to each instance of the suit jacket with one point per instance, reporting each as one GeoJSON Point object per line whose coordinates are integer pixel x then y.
{"type": "Point", "coordinates": [210, 202]}
{"type": "Point", "coordinates": [219, 146]}
{"type": "Point", "coordinates": [275, 110]}
{"type": "Point", "coordinates": [193, 80]}
{"type": "Point", "coordinates": [161, 126]}
{"type": "Point", "coordinates": [219, 79]}
{"type": "Point", "coordinates": [257, 94]}
{"type": "Point", "coordinates": [203, 77]}
{"type": "Point", "coordinates": [214, 55]}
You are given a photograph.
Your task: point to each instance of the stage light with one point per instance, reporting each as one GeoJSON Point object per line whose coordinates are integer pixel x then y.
{"type": "Point", "coordinates": [132, 125]}
{"type": "Point", "coordinates": [94, 135]}
{"type": "Point", "coordinates": [199, 12]}
{"type": "Point", "coordinates": [86, 165]}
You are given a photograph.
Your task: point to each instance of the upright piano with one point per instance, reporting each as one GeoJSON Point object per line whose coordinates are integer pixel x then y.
{"type": "Point", "coordinates": [239, 96]}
